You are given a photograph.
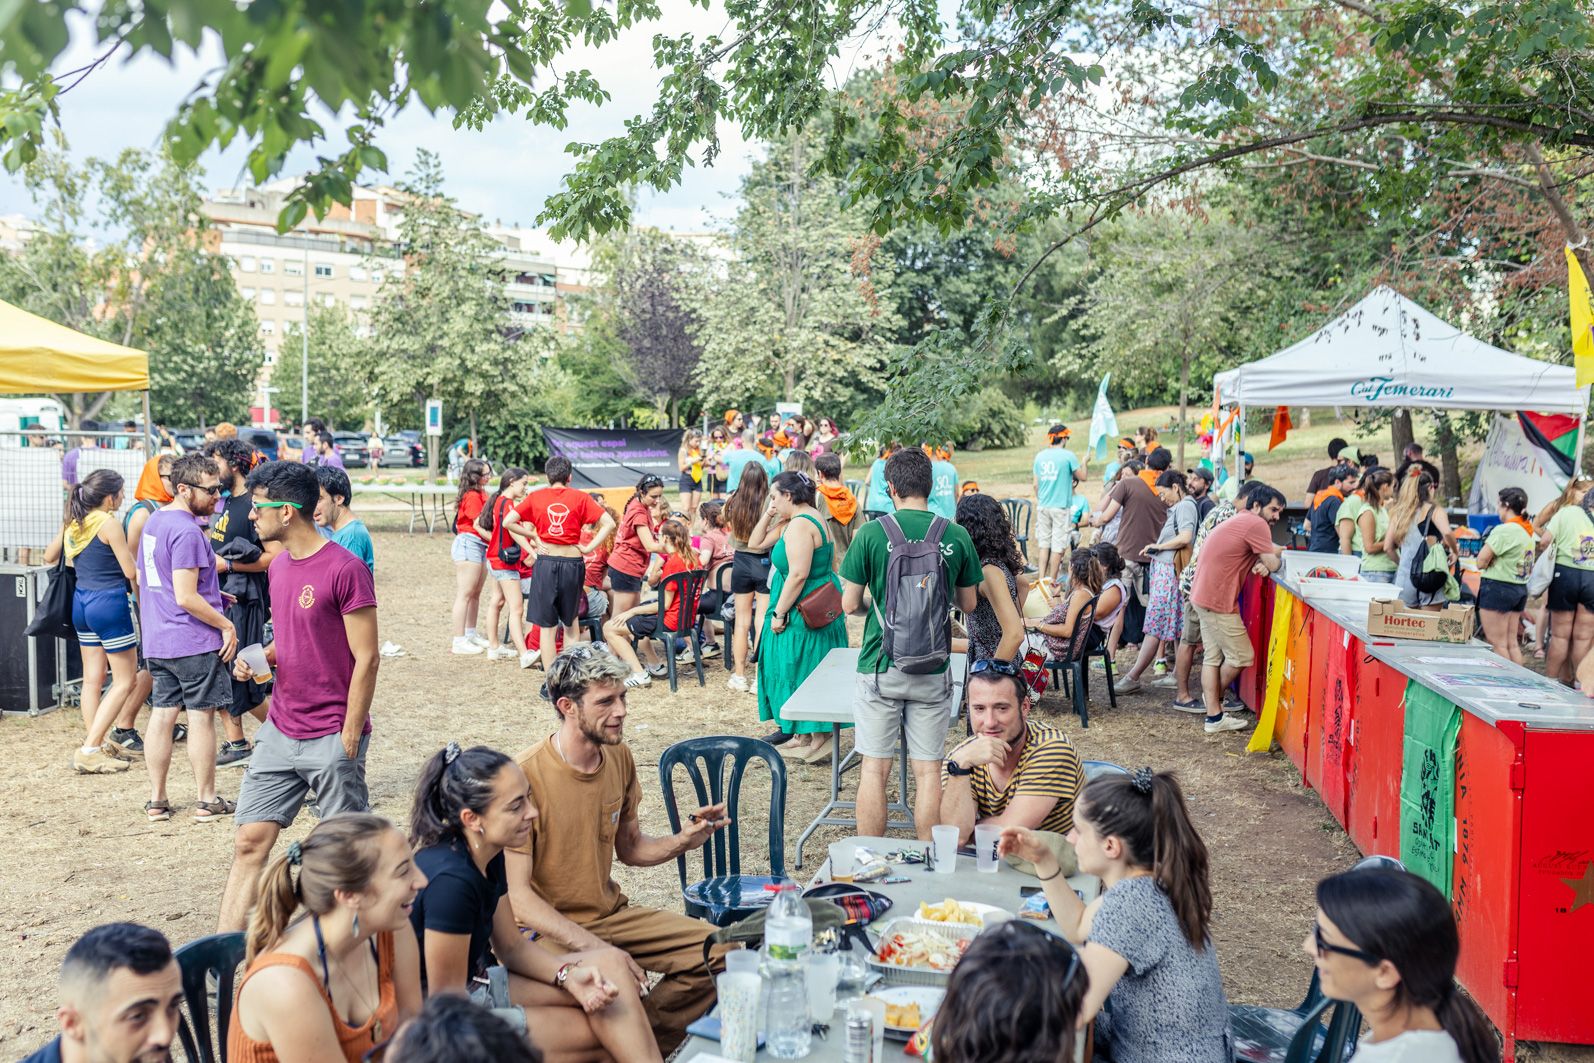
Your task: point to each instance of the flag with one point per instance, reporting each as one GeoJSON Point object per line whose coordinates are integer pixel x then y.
{"type": "Point", "coordinates": [1582, 320]}
{"type": "Point", "coordinates": [1553, 436]}
{"type": "Point", "coordinates": [1281, 426]}
{"type": "Point", "coordinates": [1103, 422]}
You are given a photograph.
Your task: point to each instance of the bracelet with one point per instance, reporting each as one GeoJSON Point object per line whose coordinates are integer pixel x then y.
{"type": "Point", "coordinates": [563, 973]}
{"type": "Point", "coordinates": [1054, 874]}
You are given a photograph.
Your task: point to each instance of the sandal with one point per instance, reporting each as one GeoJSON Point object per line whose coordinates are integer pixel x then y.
{"type": "Point", "coordinates": [205, 811]}
{"type": "Point", "coordinates": [1192, 705]}
{"type": "Point", "coordinates": [158, 811]}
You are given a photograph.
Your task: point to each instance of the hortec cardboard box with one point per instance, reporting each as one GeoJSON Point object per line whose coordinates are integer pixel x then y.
{"type": "Point", "coordinates": [1453, 623]}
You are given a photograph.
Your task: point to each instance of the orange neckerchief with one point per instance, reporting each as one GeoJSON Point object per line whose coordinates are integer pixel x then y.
{"type": "Point", "coordinates": [1523, 523]}
{"type": "Point", "coordinates": [149, 486]}
{"type": "Point", "coordinates": [1150, 476]}
{"type": "Point", "coordinates": [1326, 493]}
{"type": "Point", "coordinates": [843, 503]}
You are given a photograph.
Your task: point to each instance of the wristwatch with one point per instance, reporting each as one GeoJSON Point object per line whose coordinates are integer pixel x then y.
{"type": "Point", "coordinates": [954, 768]}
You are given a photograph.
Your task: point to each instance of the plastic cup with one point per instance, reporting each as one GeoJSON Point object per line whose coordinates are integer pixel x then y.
{"type": "Point", "coordinates": [254, 655]}
{"type": "Point", "coordinates": [738, 1012]}
{"type": "Point", "coordinates": [742, 961]}
{"type": "Point", "coordinates": [986, 840]}
{"type": "Point", "coordinates": [843, 861]}
{"type": "Point", "coordinates": [875, 1008]}
{"type": "Point", "coordinates": [824, 968]}
{"type": "Point", "coordinates": [945, 840]}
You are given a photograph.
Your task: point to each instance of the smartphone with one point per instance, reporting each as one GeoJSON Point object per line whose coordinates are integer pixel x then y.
{"type": "Point", "coordinates": [708, 1028]}
{"type": "Point", "coordinates": [1030, 891]}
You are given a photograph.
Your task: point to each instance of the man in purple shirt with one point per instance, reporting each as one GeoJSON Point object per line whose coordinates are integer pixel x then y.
{"type": "Point", "coordinates": [323, 610]}
{"type": "Point", "coordinates": [187, 640]}
{"type": "Point", "coordinates": [69, 460]}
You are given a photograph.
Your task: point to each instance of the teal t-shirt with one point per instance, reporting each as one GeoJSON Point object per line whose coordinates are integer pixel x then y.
{"type": "Point", "coordinates": [878, 500]}
{"type": "Point", "coordinates": [870, 553]}
{"type": "Point", "coordinates": [944, 489]}
{"type": "Point", "coordinates": [354, 538]}
{"type": "Point", "coordinates": [774, 466]}
{"type": "Point", "coordinates": [1110, 471]}
{"type": "Point", "coordinates": [1054, 478]}
{"type": "Point", "coordinates": [736, 461]}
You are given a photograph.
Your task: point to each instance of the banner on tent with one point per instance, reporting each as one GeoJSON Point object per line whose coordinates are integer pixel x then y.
{"type": "Point", "coordinates": [1511, 460]}
{"type": "Point", "coordinates": [617, 457]}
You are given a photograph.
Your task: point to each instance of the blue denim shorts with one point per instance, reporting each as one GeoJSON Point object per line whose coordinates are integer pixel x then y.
{"type": "Point", "coordinates": [468, 547]}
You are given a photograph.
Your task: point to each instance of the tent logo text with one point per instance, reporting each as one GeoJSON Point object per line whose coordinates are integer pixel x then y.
{"type": "Point", "coordinates": [1374, 388]}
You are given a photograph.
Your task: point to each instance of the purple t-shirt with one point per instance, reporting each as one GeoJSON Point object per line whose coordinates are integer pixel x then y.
{"type": "Point", "coordinates": [332, 458]}
{"type": "Point", "coordinates": [173, 539]}
{"type": "Point", "coordinates": [309, 598]}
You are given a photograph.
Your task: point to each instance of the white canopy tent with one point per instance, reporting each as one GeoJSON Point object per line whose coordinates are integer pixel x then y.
{"type": "Point", "coordinates": [1387, 352]}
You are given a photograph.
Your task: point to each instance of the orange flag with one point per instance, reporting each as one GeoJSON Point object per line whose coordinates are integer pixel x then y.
{"type": "Point", "coordinates": [1281, 426]}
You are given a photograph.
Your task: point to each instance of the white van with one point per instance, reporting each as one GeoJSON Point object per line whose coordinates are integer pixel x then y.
{"type": "Point", "coordinates": [19, 415]}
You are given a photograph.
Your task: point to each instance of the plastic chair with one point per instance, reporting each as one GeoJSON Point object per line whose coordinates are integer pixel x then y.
{"type": "Point", "coordinates": [724, 895]}
{"type": "Point", "coordinates": [722, 584]}
{"type": "Point", "coordinates": [218, 956]}
{"type": "Point", "coordinates": [1072, 672]}
{"type": "Point", "coordinates": [679, 620]}
{"type": "Point", "coordinates": [854, 486]}
{"type": "Point", "coordinates": [1095, 769]}
{"type": "Point", "coordinates": [1019, 514]}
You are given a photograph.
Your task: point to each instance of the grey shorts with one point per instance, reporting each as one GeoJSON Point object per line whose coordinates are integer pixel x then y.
{"type": "Point", "coordinates": [888, 701]}
{"type": "Point", "coordinates": [283, 770]}
{"type": "Point", "coordinates": [201, 681]}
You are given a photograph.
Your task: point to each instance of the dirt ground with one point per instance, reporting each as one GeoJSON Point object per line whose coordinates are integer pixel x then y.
{"type": "Point", "coordinates": [80, 855]}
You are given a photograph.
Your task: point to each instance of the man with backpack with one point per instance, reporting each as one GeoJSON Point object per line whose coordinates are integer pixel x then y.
{"type": "Point", "coordinates": [916, 567]}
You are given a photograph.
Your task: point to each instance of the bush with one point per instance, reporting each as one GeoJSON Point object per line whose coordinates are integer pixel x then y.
{"type": "Point", "coordinates": [990, 420]}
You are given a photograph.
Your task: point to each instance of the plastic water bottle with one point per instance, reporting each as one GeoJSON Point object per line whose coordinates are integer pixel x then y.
{"type": "Point", "coordinates": [788, 934]}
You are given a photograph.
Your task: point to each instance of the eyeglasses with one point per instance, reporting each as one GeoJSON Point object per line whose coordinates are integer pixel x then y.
{"type": "Point", "coordinates": [276, 505]}
{"type": "Point", "coordinates": [212, 491]}
{"type": "Point", "coordinates": [991, 664]}
{"type": "Point", "coordinates": [1323, 948]}
{"type": "Point", "coordinates": [1020, 928]}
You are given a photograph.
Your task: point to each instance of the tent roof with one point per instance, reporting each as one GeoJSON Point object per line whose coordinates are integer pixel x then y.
{"type": "Point", "coordinates": [39, 356]}
{"type": "Point", "coordinates": [1387, 351]}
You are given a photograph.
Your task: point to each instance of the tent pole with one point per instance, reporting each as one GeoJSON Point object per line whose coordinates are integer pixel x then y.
{"type": "Point", "coordinates": [1239, 443]}
{"type": "Point", "coordinates": [1577, 455]}
{"type": "Point", "coordinates": [149, 429]}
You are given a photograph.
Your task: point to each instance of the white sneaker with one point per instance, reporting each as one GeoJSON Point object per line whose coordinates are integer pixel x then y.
{"type": "Point", "coordinates": [478, 640]}
{"type": "Point", "coordinates": [501, 653]}
{"type": "Point", "coordinates": [737, 683]}
{"type": "Point", "coordinates": [1126, 686]}
{"type": "Point", "coordinates": [1225, 723]}
{"type": "Point", "coordinates": [464, 645]}
{"type": "Point", "coordinates": [530, 658]}
{"type": "Point", "coordinates": [638, 679]}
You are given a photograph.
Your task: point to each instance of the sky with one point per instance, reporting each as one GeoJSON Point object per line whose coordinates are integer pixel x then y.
{"type": "Point", "coordinates": [504, 172]}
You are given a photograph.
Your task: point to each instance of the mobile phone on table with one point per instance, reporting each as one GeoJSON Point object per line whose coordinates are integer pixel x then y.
{"type": "Point", "coordinates": [708, 1028]}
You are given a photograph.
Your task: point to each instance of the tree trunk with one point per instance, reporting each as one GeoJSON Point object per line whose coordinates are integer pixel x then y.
{"type": "Point", "coordinates": [1184, 401]}
{"type": "Point", "coordinates": [1400, 432]}
{"type": "Point", "coordinates": [1449, 461]}
{"type": "Point", "coordinates": [1550, 190]}
{"type": "Point", "coordinates": [474, 446]}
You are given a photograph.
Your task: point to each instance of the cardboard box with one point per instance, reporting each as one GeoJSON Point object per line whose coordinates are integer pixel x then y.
{"type": "Point", "coordinates": [1453, 623]}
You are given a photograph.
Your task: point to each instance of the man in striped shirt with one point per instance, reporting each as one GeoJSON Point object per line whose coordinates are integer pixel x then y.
{"type": "Point", "coordinates": [1012, 772]}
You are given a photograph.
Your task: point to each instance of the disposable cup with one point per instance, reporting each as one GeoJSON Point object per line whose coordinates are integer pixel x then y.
{"type": "Point", "coordinates": [742, 961]}
{"type": "Point", "coordinates": [738, 1012]}
{"type": "Point", "coordinates": [843, 861]}
{"type": "Point", "coordinates": [986, 840]}
{"type": "Point", "coordinates": [945, 839]}
{"type": "Point", "coordinates": [254, 655]}
{"type": "Point", "coordinates": [823, 970]}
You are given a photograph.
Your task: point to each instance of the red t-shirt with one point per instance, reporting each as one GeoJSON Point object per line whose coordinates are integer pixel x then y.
{"type": "Point", "coordinates": [558, 513]}
{"type": "Point", "coordinates": [597, 560]}
{"type": "Point", "coordinates": [1227, 554]}
{"type": "Point", "coordinates": [470, 507]}
{"type": "Point", "coordinates": [674, 563]}
{"type": "Point", "coordinates": [501, 507]}
{"type": "Point", "coordinates": [630, 556]}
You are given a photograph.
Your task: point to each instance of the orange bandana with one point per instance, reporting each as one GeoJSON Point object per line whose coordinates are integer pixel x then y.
{"type": "Point", "coordinates": [843, 503]}
{"type": "Point", "coordinates": [149, 487]}
{"type": "Point", "coordinates": [1523, 523]}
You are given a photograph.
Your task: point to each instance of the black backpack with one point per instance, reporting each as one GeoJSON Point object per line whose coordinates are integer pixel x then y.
{"type": "Point", "coordinates": [1423, 579]}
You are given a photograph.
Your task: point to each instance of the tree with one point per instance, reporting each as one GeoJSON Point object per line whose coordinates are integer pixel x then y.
{"type": "Point", "coordinates": [440, 326]}
{"type": "Point", "coordinates": [338, 358]}
{"type": "Point", "coordinates": [137, 271]}
{"type": "Point", "coordinates": [657, 317]}
{"type": "Point", "coordinates": [797, 314]}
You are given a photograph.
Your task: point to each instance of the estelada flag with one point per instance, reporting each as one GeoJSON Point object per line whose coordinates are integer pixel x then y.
{"type": "Point", "coordinates": [1582, 320]}
{"type": "Point", "coordinates": [1281, 426]}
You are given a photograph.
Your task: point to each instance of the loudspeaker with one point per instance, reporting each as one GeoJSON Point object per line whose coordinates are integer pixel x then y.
{"type": "Point", "coordinates": [30, 668]}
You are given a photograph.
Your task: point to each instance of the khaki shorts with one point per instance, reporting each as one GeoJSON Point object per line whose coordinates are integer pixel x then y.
{"type": "Point", "coordinates": [1225, 639]}
{"type": "Point", "coordinates": [892, 701]}
{"type": "Point", "coordinates": [1191, 635]}
{"type": "Point", "coordinates": [1053, 527]}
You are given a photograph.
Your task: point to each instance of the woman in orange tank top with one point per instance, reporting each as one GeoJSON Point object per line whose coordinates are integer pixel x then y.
{"type": "Point", "coordinates": [330, 983]}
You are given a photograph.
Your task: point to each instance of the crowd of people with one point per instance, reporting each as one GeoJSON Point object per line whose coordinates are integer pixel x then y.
{"type": "Point", "coordinates": [495, 921]}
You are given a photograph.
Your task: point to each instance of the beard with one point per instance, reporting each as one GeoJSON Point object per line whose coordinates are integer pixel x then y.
{"type": "Point", "coordinates": [596, 734]}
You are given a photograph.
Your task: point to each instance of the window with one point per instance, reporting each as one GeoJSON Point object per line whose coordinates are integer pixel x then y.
{"type": "Point", "coordinates": [293, 298]}
{"type": "Point", "coordinates": [359, 302]}
{"type": "Point", "coordinates": [293, 267]}
{"type": "Point", "coordinates": [328, 299]}
{"type": "Point", "coordinates": [247, 264]}
{"type": "Point", "coordinates": [271, 357]}
{"type": "Point", "coordinates": [357, 273]}
{"type": "Point", "coordinates": [248, 294]}
{"type": "Point", "coordinates": [268, 265]}
{"type": "Point", "coordinates": [323, 269]}
{"type": "Point", "coordinates": [268, 328]}
{"type": "Point", "coordinates": [268, 297]}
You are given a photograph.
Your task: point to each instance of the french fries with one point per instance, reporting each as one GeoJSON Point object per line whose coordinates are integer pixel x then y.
{"type": "Point", "coordinates": [950, 911]}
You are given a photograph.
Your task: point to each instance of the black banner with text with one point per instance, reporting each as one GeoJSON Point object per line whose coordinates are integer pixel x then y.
{"type": "Point", "coordinates": [616, 457]}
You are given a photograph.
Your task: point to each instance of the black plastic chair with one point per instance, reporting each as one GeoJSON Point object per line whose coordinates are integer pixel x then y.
{"type": "Point", "coordinates": [1019, 514]}
{"type": "Point", "coordinates": [1095, 769]}
{"type": "Point", "coordinates": [722, 586]}
{"type": "Point", "coordinates": [854, 486]}
{"type": "Point", "coordinates": [1072, 672]}
{"type": "Point", "coordinates": [679, 620]}
{"type": "Point", "coordinates": [218, 956]}
{"type": "Point", "coordinates": [725, 895]}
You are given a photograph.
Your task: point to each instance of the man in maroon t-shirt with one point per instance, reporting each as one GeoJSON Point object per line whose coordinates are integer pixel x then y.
{"type": "Point", "coordinates": [1231, 551]}
{"type": "Point", "coordinates": [324, 652]}
{"type": "Point", "coordinates": [557, 513]}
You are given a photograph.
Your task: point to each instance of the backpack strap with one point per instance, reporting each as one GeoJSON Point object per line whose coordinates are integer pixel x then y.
{"type": "Point", "coordinates": [936, 530]}
{"type": "Point", "coordinates": [894, 530]}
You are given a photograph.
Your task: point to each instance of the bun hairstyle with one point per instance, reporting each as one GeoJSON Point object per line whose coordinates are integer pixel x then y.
{"type": "Point", "coordinates": [1084, 572]}
{"type": "Point", "coordinates": [451, 781]}
{"type": "Point", "coordinates": [1396, 916]}
{"type": "Point", "coordinates": [91, 492]}
{"type": "Point", "coordinates": [796, 485]}
{"type": "Point", "coordinates": [339, 855]}
{"type": "Point", "coordinates": [1146, 810]}
{"type": "Point", "coordinates": [1112, 565]}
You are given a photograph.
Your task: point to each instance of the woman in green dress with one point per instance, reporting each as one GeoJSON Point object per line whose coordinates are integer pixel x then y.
{"type": "Point", "coordinates": [789, 650]}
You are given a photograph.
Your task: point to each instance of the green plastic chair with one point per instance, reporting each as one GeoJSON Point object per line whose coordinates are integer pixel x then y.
{"type": "Point", "coordinates": [218, 956]}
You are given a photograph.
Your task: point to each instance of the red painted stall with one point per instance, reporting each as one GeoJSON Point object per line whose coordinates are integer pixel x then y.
{"type": "Point", "coordinates": [1373, 767]}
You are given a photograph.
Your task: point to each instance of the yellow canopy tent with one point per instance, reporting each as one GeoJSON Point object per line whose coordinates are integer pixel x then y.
{"type": "Point", "coordinates": [39, 356]}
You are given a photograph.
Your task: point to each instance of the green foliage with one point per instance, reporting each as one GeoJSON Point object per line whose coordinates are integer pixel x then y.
{"type": "Point", "coordinates": [988, 421]}
{"type": "Point", "coordinates": [338, 359]}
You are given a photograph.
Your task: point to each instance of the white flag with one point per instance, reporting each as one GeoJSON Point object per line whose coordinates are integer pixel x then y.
{"type": "Point", "coordinates": [1103, 423]}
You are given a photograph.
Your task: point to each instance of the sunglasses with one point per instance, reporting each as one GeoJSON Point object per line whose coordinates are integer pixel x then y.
{"type": "Point", "coordinates": [1323, 948]}
{"type": "Point", "coordinates": [1020, 928]}
{"type": "Point", "coordinates": [211, 491]}
{"type": "Point", "coordinates": [1007, 668]}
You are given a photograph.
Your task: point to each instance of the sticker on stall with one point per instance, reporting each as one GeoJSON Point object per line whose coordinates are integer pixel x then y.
{"type": "Point", "coordinates": [1484, 680]}
{"type": "Point", "coordinates": [1461, 662]}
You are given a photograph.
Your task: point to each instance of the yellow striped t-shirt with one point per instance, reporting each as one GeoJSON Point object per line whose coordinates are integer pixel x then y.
{"type": "Point", "coordinates": [1048, 767]}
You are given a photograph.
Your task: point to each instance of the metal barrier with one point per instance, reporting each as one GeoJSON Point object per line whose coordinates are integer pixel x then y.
{"type": "Point", "coordinates": [35, 467]}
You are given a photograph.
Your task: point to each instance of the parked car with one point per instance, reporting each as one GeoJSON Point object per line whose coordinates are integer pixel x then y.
{"type": "Point", "coordinates": [400, 453]}
{"type": "Point", "coordinates": [291, 447]}
{"type": "Point", "coordinates": [351, 448]}
{"type": "Point", "coordinates": [262, 439]}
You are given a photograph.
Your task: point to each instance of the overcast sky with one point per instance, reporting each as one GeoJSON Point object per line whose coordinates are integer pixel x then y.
{"type": "Point", "coordinates": [504, 172]}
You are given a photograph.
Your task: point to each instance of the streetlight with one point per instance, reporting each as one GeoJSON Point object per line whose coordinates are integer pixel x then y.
{"type": "Point", "coordinates": [304, 343]}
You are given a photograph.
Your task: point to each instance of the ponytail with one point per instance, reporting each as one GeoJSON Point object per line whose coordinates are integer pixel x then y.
{"type": "Point", "coordinates": [338, 856]}
{"type": "Point", "coordinates": [90, 494]}
{"type": "Point", "coordinates": [452, 781]}
{"type": "Point", "coordinates": [1463, 1020]}
{"type": "Point", "coordinates": [1147, 812]}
